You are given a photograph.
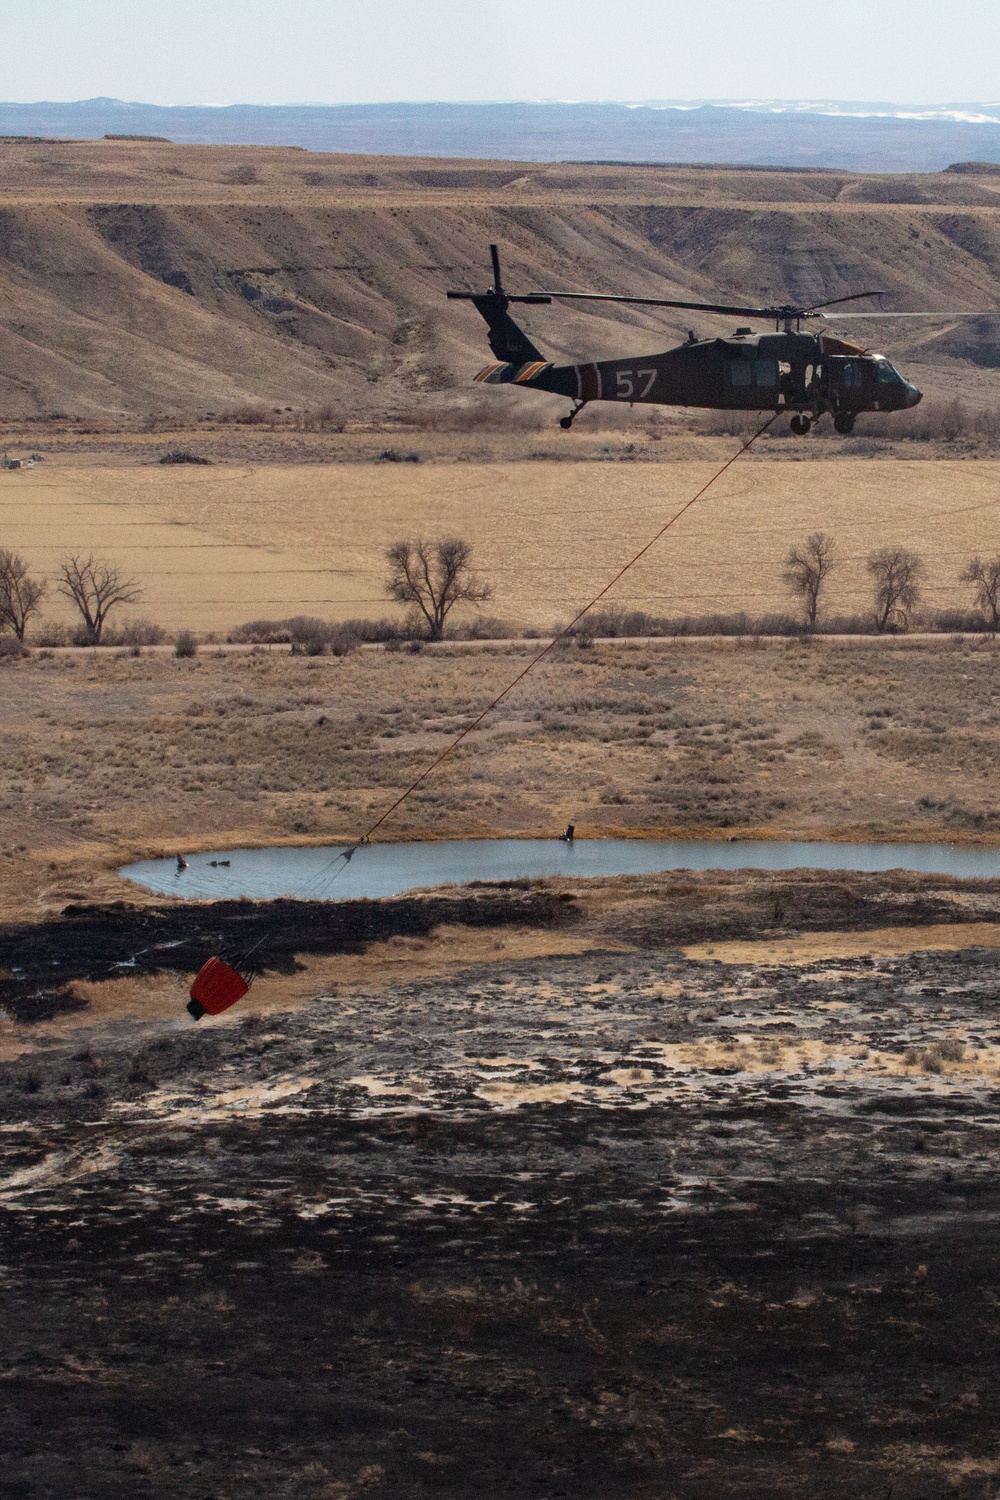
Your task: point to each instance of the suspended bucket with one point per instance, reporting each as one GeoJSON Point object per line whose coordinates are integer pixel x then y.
{"type": "Point", "coordinates": [215, 988]}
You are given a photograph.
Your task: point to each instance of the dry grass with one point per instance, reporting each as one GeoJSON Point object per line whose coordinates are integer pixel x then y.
{"type": "Point", "coordinates": [216, 546]}
{"type": "Point", "coordinates": [879, 942]}
{"type": "Point", "coordinates": [109, 755]}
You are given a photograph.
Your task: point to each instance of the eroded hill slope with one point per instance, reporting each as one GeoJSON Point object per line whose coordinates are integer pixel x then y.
{"type": "Point", "coordinates": [137, 277]}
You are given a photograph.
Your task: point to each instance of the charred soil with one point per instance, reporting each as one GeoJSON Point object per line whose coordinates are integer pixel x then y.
{"type": "Point", "coordinates": [624, 1223]}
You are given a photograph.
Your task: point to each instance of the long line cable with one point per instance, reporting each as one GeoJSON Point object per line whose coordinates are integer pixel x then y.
{"type": "Point", "coordinates": [449, 749]}
{"type": "Point", "coordinates": [321, 878]}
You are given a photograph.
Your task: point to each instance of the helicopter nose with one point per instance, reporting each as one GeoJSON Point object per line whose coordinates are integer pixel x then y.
{"type": "Point", "coordinates": [913, 396]}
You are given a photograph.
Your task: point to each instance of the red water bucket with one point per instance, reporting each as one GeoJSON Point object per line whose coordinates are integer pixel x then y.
{"type": "Point", "coordinates": [215, 988]}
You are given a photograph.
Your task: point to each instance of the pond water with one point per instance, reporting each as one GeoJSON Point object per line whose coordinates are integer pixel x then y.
{"type": "Point", "coordinates": [319, 874]}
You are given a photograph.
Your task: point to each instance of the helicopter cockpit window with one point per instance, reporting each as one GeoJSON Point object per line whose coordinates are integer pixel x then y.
{"type": "Point", "coordinates": [888, 374]}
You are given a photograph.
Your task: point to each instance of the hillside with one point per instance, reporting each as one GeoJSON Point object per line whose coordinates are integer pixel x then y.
{"type": "Point", "coordinates": [139, 277]}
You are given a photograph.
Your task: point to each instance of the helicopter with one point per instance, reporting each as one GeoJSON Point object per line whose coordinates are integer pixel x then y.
{"type": "Point", "coordinates": [804, 373]}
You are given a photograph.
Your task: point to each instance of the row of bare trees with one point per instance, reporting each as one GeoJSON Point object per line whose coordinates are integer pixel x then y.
{"type": "Point", "coordinates": [93, 587]}
{"type": "Point", "coordinates": [432, 577]}
{"type": "Point", "coordinates": [435, 576]}
{"type": "Point", "coordinates": [897, 575]}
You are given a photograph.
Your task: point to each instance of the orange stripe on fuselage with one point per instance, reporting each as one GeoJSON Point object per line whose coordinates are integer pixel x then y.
{"type": "Point", "coordinates": [528, 372]}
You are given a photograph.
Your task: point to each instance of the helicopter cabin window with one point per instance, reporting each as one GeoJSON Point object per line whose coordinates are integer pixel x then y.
{"type": "Point", "coordinates": [754, 372]}
{"type": "Point", "coordinates": [853, 373]}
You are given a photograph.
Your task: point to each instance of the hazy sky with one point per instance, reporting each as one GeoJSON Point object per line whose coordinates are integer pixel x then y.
{"type": "Point", "coordinates": [350, 51]}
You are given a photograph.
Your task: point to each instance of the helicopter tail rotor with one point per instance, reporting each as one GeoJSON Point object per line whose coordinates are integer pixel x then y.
{"type": "Point", "coordinates": [497, 289]}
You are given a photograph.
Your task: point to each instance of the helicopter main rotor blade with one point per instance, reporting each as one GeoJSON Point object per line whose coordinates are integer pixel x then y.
{"type": "Point", "coordinates": [725, 308]}
{"type": "Point", "coordinates": [990, 312]}
{"type": "Point", "coordinates": [713, 307]}
{"type": "Point", "coordinates": [835, 302]}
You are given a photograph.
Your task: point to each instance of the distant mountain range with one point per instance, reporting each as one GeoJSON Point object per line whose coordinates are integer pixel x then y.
{"type": "Point", "coordinates": [858, 137]}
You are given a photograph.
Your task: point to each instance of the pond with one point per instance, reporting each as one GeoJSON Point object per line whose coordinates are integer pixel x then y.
{"type": "Point", "coordinates": [319, 874]}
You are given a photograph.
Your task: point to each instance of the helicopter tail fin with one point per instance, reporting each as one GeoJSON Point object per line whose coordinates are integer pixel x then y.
{"type": "Point", "coordinates": [507, 341]}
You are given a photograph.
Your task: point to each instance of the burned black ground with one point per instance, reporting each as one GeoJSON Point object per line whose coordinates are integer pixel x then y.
{"type": "Point", "coordinates": [97, 941]}
{"type": "Point", "coordinates": [612, 1224]}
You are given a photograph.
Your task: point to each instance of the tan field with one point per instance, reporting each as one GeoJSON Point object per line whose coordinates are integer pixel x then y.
{"type": "Point", "coordinates": [217, 546]}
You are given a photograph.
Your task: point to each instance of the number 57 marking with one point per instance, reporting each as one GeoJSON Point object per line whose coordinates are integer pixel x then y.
{"type": "Point", "coordinates": [625, 383]}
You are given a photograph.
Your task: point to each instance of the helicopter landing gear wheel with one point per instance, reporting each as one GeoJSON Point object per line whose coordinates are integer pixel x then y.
{"type": "Point", "coordinates": [566, 422]}
{"type": "Point", "coordinates": [844, 421]}
{"type": "Point", "coordinates": [800, 424]}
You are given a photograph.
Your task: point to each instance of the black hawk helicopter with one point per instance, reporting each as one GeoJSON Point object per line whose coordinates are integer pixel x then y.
{"type": "Point", "coordinates": [806, 374]}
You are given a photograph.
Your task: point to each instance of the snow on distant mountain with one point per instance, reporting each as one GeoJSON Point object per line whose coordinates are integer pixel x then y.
{"type": "Point", "coordinates": [966, 114]}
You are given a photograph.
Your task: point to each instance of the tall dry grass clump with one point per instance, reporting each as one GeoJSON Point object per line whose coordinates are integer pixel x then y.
{"type": "Point", "coordinates": [246, 414]}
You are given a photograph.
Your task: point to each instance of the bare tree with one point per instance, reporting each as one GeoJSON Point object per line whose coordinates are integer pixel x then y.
{"type": "Point", "coordinates": [20, 594]}
{"type": "Point", "coordinates": [897, 573]}
{"type": "Point", "coordinates": [435, 576]}
{"type": "Point", "coordinates": [986, 577]}
{"type": "Point", "coordinates": [806, 570]}
{"type": "Point", "coordinates": [95, 587]}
